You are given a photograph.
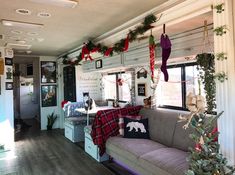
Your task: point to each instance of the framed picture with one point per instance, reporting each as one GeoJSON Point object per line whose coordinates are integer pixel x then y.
{"type": "Point", "coordinates": [9, 73]}
{"type": "Point", "coordinates": [9, 85]}
{"type": "Point", "coordinates": [2, 66]}
{"type": "Point", "coordinates": [8, 61]}
{"type": "Point", "coordinates": [48, 95]}
{"type": "Point", "coordinates": [141, 89]}
{"type": "Point", "coordinates": [98, 64]}
{"type": "Point", "coordinates": [48, 72]}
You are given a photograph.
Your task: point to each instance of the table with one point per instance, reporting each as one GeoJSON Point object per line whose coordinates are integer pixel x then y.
{"type": "Point", "coordinates": [93, 111]}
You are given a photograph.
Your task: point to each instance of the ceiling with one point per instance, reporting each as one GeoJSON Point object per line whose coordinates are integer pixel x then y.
{"type": "Point", "coordinates": [67, 28]}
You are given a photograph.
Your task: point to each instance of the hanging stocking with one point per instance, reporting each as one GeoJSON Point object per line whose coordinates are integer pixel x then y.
{"type": "Point", "coordinates": [166, 51]}
{"type": "Point", "coordinates": [152, 55]}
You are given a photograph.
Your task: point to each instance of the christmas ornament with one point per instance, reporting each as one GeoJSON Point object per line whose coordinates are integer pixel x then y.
{"type": "Point", "coordinates": [120, 81]}
{"type": "Point", "coordinates": [195, 104]}
{"type": "Point", "coordinates": [152, 55]}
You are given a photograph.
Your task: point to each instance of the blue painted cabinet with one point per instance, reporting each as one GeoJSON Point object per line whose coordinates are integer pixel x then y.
{"type": "Point", "coordinates": [92, 149]}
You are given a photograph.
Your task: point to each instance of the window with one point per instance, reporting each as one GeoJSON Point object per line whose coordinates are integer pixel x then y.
{"type": "Point", "coordinates": [182, 80]}
{"type": "Point", "coordinates": [112, 90]}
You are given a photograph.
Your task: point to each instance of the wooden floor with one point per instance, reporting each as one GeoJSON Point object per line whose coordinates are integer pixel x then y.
{"type": "Point", "coordinates": [48, 153]}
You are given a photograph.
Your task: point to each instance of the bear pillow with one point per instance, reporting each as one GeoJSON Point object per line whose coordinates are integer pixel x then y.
{"type": "Point", "coordinates": [136, 128]}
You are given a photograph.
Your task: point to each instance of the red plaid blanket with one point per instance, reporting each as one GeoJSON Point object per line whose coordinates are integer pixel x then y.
{"type": "Point", "coordinates": [105, 125]}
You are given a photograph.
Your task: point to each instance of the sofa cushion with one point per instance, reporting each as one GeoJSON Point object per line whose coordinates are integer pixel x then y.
{"type": "Point", "coordinates": [131, 149]}
{"type": "Point", "coordinates": [170, 160]}
{"type": "Point", "coordinates": [181, 138]}
{"type": "Point", "coordinates": [161, 124]}
{"type": "Point", "coordinates": [121, 121]}
{"type": "Point", "coordinates": [136, 128]}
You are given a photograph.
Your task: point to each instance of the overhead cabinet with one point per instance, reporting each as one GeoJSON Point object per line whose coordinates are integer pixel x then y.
{"type": "Point", "coordinates": [137, 56]}
{"type": "Point", "coordinates": [88, 66]}
{"type": "Point", "coordinates": [112, 62]}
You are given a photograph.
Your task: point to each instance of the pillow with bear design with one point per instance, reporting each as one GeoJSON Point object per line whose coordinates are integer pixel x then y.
{"type": "Point", "coordinates": [121, 121]}
{"type": "Point", "coordinates": [136, 128]}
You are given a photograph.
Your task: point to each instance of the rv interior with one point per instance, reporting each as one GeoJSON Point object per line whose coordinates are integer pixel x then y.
{"type": "Point", "coordinates": [117, 87]}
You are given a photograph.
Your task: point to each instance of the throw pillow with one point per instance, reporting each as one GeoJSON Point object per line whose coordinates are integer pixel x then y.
{"type": "Point", "coordinates": [121, 121]}
{"type": "Point", "coordinates": [136, 128]}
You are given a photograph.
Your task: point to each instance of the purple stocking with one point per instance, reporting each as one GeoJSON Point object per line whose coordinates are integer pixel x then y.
{"type": "Point", "coordinates": [166, 51]}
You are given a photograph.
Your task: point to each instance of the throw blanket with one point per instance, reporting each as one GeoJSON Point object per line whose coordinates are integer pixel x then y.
{"type": "Point", "coordinates": [105, 125]}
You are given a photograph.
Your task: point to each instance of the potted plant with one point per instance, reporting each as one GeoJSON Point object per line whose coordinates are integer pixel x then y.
{"type": "Point", "coordinates": [51, 118]}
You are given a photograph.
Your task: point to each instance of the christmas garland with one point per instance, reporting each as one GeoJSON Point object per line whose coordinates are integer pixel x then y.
{"type": "Point", "coordinates": [118, 47]}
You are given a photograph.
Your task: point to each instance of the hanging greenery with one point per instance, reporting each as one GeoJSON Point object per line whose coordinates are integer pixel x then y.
{"type": "Point", "coordinates": [206, 67]}
{"type": "Point", "coordinates": [221, 76]}
{"type": "Point", "coordinates": [117, 47]}
{"type": "Point", "coordinates": [221, 56]}
{"type": "Point", "coordinates": [219, 8]}
{"type": "Point", "coordinates": [219, 31]}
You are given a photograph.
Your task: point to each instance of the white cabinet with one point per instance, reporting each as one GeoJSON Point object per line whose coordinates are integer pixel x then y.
{"type": "Point", "coordinates": [114, 61]}
{"type": "Point", "coordinates": [88, 66]}
{"type": "Point", "coordinates": [92, 149]}
{"type": "Point", "coordinates": [138, 56]}
{"type": "Point", "coordinates": [74, 133]}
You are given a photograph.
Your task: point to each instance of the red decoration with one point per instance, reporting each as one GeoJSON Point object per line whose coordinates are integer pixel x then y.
{"type": "Point", "coordinates": [215, 131]}
{"type": "Point", "coordinates": [126, 46]}
{"type": "Point", "coordinates": [108, 51]}
{"type": "Point", "coordinates": [198, 147]}
{"type": "Point", "coordinates": [86, 53]}
{"type": "Point", "coordinates": [63, 103]}
{"type": "Point", "coordinates": [152, 55]}
{"type": "Point", "coordinates": [120, 82]}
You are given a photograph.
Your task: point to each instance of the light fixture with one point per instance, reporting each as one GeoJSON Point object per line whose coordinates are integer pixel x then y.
{"type": "Point", "coordinates": [23, 11]}
{"type": "Point", "coordinates": [32, 33]}
{"type": "Point", "coordinates": [44, 15]}
{"type": "Point", "coordinates": [61, 3]}
{"type": "Point", "coordinates": [11, 23]}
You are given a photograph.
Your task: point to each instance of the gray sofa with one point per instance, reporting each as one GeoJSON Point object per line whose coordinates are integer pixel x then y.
{"type": "Point", "coordinates": [164, 154]}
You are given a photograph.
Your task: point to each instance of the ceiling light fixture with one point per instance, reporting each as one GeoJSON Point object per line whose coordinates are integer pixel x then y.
{"type": "Point", "coordinates": [32, 33]}
{"type": "Point", "coordinates": [21, 24]}
{"type": "Point", "coordinates": [44, 15]}
{"type": "Point", "coordinates": [61, 3]}
{"type": "Point", "coordinates": [23, 11]}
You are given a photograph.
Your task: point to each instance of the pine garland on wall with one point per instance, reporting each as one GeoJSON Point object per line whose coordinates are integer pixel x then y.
{"type": "Point", "coordinates": [117, 47]}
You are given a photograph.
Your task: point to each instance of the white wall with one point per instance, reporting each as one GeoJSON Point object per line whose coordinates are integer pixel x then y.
{"type": "Point", "coordinates": [6, 111]}
{"type": "Point", "coordinates": [45, 111]}
{"type": "Point", "coordinates": [88, 82]}
{"type": "Point", "coordinates": [147, 81]}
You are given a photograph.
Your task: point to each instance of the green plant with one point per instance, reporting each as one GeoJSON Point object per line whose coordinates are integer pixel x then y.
{"type": "Point", "coordinates": [219, 31]}
{"type": "Point", "coordinates": [219, 8]}
{"type": "Point", "coordinates": [206, 67]}
{"type": "Point", "coordinates": [221, 76]}
{"type": "Point", "coordinates": [51, 118]}
{"type": "Point", "coordinates": [221, 56]}
{"type": "Point", "coordinates": [205, 158]}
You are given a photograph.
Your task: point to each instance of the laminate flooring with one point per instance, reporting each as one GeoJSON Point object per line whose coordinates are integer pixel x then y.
{"type": "Point", "coordinates": [48, 153]}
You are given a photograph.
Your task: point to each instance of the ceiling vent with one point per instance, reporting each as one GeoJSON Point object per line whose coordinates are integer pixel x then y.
{"type": "Point", "coordinates": [18, 46]}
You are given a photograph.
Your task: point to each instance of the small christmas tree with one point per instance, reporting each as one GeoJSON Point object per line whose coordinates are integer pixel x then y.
{"type": "Point", "coordinates": [205, 158]}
